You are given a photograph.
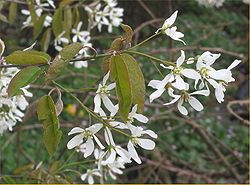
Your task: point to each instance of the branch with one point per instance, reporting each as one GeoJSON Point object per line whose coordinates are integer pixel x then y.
{"type": "Point", "coordinates": [231, 111]}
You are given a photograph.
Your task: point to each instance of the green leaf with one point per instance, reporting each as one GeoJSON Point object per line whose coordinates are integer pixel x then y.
{"type": "Point", "coordinates": [70, 51]}
{"type": "Point", "coordinates": [32, 10]}
{"type": "Point", "coordinates": [55, 69]}
{"type": "Point", "coordinates": [57, 22]}
{"type": "Point", "coordinates": [128, 34]}
{"type": "Point", "coordinates": [76, 16]}
{"type": "Point", "coordinates": [67, 23]}
{"type": "Point", "coordinates": [116, 45]}
{"type": "Point", "coordinates": [46, 112]}
{"type": "Point", "coordinates": [3, 18]}
{"type": "Point", "coordinates": [28, 58]}
{"type": "Point", "coordinates": [64, 3]}
{"type": "Point", "coordinates": [112, 69]}
{"type": "Point", "coordinates": [12, 12]}
{"type": "Point", "coordinates": [123, 86]}
{"type": "Point", "coordinates": [38, 26]}
{"type": "Point", "coordinates": [105, 65]}
{"type": "Point", "coordinates": [46, 39]}
{"type": "Point", "coordinates": [137, 81]}
{"type": "Point", "coordinates": [23, 78]}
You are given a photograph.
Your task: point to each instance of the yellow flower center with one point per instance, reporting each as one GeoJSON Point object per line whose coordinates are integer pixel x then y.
{"type": "Point", "coordinates": [177, 70]}
{"type": "Point", "coordinates": [204, 72]}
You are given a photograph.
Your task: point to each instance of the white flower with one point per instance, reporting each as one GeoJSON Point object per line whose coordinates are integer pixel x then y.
{"type": "Point", "coordinates": [115, 17]}
{"type": "Point", "coordinates": [211, 3]}
{"type": "Point", "coordinates": [135, 140]}
{"type": "Point", "coordinates": [246, 1]}
{"type": "Point", "coordinates": [83, 36]}
{"type": "Point", "coordinates": [102, 94]}
{"type": "Point", "coordinates": [223, 77]}
{"type": "Point", "coordinates": [113, 150]}
{"type": "Point", "coordinates": [176, 74]}
{"type": "Point", "coordinates": [88, 134]}
{"type": "Point", "coordinates": [11, 108]}
{"type": "Point", "coordinates": [39, 7]}
{"type": "Point", "coordinates": [189, 98]}
{"type": "Point", "coordinates": [116, 167]}
{"type": "Point", "coordinates": [89, 175]}
{"type": "Point", "coordinates": [218, 79]}
{"type": "Point", "coordinates": [106, 15]}
{"type": "Point", "coordinates": [131, 116]}
{"type": "Point", "coordinates": [59, 41]}
{"type": "Point", "coordinates": [111, 3]}
{"type": "Point", "coordinates": [171, 31]}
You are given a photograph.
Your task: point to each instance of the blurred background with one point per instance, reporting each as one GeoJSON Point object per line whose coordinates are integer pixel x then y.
{"type": "Point", "coordinates": [211, 146]}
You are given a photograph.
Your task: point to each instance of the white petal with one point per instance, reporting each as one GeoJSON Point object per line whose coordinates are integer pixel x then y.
{"type": "Point", "coordinates": [133, 111]}
{"type": "Point", "coordinates": [97, 102]}
{"type": "Point", "coordinates": [109, 137]}
{"type": "Point", "coordinates": [111, 157]}
{"type": "Point", "coordinates": [147, 144]}
{"type": "Point", "coordinates": [79, 26]}
{"type": "Point", "coordinates": [170, 21]}
{"type": "Point", "coordinates": [141, 118]}
{"type": "Point", "coordinates": [150, 133]}
{"type": "Point", "coordinates": [154, 83]}
{"type": "Point", "coordinates": [181, 108]}
{"type": "Point", "coordinates": [234, 64]}
{"type": "Point", "coordinates": [156, 94]}
{"type": "Point", "coordinates": [167, 67]}
{"type": "Point", "coordinates": [75, 141]}
{"type": "Point", "coordinates": [90, 179]}
{"type": "Point", "coordinates": [105, 78]}
{"type": "Point", "coordinates": [111, 86]}
{"type": "Point", "coordinates": [222, 74]}
{"type": "Point", "coordinates": [75, 130]}
{"type": "Point", "coordinates": [95, 128]}
{"type": "Point", "coordinates": [208, 58]}
{"type": "Point", "coordinates": [219, 93]}
{"type": "Point", "coordinates": [119, 125]}
{"type": "Point", "coordinates": [83, 176]}
{"type": "Point", "coordinates": [106, 136]}
{"type": "Point", "coordinates": [191, 73]}
{"type": "Point", "coordinates": [108, 104]}
{"type": "Point", "coordinates": [201, 92]}
{"type": "Point", "coordinates": [173, 101]}
{"type": "Point", "coordinates": [133, 153]}
{"type": "Point", "coordinates": [180, 84]}
{"type": "Point", "coordinates": [89, 147]}
{"type": "Point", "coordinates": [74, 39]}
{"type": "Point", "coordinates": [213, 83]}
{"type": "Point", "coordinates": [196, 104]}
{"type": "Point", "coordinates": [123, 153]}
{"type": "Point", "coordinates": [181, 59]}
{"type": "Point", "coordinates": [98, 142]}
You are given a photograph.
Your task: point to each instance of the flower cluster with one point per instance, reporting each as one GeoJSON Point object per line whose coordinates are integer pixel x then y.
{"type": "Point", "coordinates": [105, 14]}
{"type": "Point", "coordinates": [204, 76]}
{"type": "Point", "coordinates": [78, 35]}
{"type": "Point", "coordinates": [215, 3]}
{"type": "Point", "coordinates": [110, 158]}
{"type": "Point", "coordinates": [39, 9]}
{"type": "Point", "coordinates": [11, 109]}
{"type": "Point", "coordinates": [211, 3]}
